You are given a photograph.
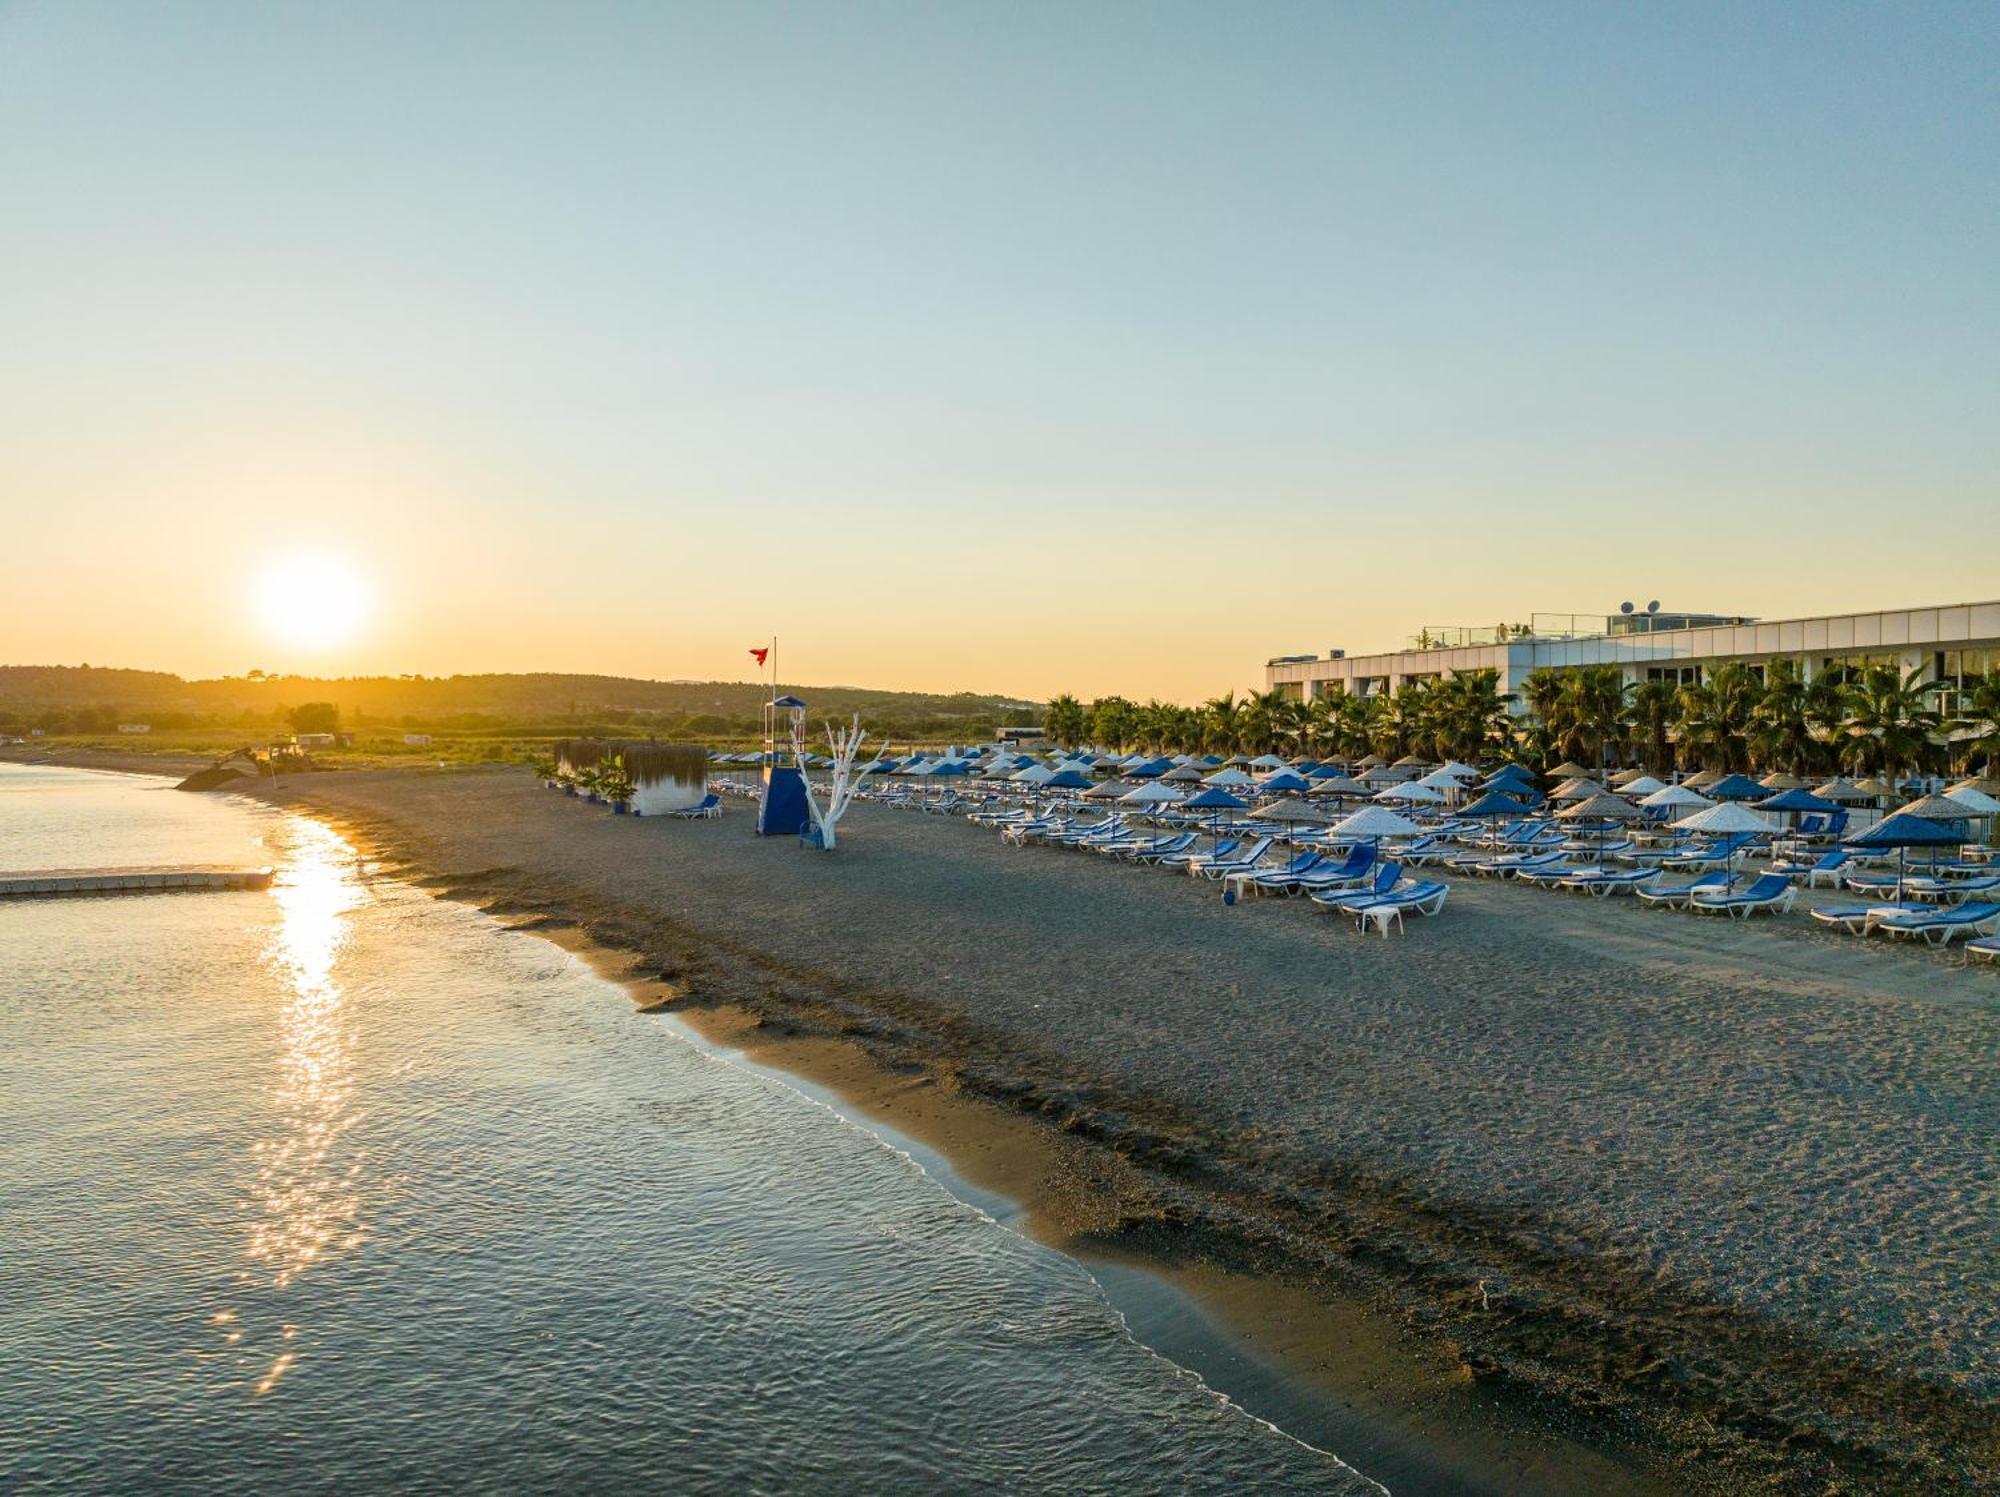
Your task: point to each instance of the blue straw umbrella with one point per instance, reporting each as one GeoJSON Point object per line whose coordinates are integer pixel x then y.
{"type": "Point", "coordinates": [1903, 831]}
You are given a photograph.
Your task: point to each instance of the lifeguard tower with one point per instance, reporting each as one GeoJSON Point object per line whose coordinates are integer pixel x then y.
{"type": "Point", "coordinates": [782, 809]}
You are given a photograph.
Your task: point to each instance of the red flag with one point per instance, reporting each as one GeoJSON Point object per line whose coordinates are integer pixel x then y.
{"type": "Point", "coordinates": [761, 653]}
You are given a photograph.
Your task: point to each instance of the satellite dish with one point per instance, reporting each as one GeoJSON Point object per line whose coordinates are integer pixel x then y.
{"type": "Point", "coordinates": [1654, 606]}
{"type": "Point", "coordinates": [1624, 607]}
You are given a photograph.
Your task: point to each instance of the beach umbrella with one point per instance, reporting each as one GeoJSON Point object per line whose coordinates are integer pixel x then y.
{"type": "Point", "coordinates": [1703, 779]}
{"type": "Point", "coordinates": [1576, 790]}
{"type": "Point", "coordinates": [1569, 770]}
{"type": "Point", "coordinates": [1449, 777]}
{"type": "Point", "coordinates": [1411, 761]}
{"type": "Point", "coordinates": [1411, 792]}
{"type": "Point", "coordinates": [1797, 802]}
{"type": "Point", "coordinates": [1325, 772]}
{"type": "Point", "coordinates": [1338, 785]}
{"type": "Point", "coordinates": [1213, 800]}
{"type": "Point", "coordinates": [1727, 819]}
{"type": "Point", "coordinates": [1903, 831]}
{"type": "Point", "coordinates": [1284, 780]}
{"type": "Point", "coordinates": [1934, 808]}
{"type": "Point", "coordinates": [1106, 790]}
{"type": "Point", "coordinates": [1875, 787]}
{"type": "Point", "coordinates": [1984, 784]}
{"type": "Point", "coordinates": [1152, 794]}
{"type": "Point", "coordinates": [1603, 808]}
{"type": "Point", "coordinates": [1067, 779]}
{"type": "Point", "coordinates": [1976, 802]}
{"type": "Point", "coordinates": [1268, 761]}
{"type": "Point", "coordinates": [1733, 787]}
{"type": "Point", "coordinates": [1229, 777]}
{"type": "Point", "coordinates": [1237, 760]}
{"type": "Point", "coordinates": [1676, 798]}
{"type": "Point", "coordinates": [1291, 811]}
{"type": "Point", "coordinates": [1034, 774]}
{"type": "Point", "coordinates": [1182, 774]}
{"type": "Point", "coordinates": [1375, 823]}
{"type": "Point", "coordinates": [1493, 805]}
{"type": "Point", "coordinates": [1779, 779]}
{"type": "Point", "coordinates": [1372, 761]}
{"type": "Point", "coordinates": [1638, 785]}
{"type": "Point", "coordinates": [1843, 793]}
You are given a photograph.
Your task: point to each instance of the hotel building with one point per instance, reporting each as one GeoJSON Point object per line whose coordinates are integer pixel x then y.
{"type": "Point", "coordinates": [1950, 642]}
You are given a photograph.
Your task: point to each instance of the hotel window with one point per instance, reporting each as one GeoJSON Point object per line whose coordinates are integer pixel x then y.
{"type": "Point", "coordinates": [1955, 668]}
{"type": "Point", "coordinates": [1680, 675]}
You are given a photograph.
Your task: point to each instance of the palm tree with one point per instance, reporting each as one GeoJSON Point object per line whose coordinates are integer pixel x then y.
{"type": "Point", "coordinates": [1715, 717]}
{"type": "Point", "coordinates": [1222, 719]}
{"type": "Point", "coordinates": [1471, 715]}
{"type": "Point", "coordinates": [1651, 711]}
{"type": "Point", "coordinates": [1592, 706]}
{"type": "Point", "coordinates": [1978, 714]}
{"type": "Point", "coordinates": [1542, 689]}
{"type": "Point", "coordinates": [1781, 724]}
{"type": "Point", "coordinates": [1890, 722]}
{"type": "Point", "coordinates": [1065, 722]}
{"type": "Point", "coordinates": [1112, 722]}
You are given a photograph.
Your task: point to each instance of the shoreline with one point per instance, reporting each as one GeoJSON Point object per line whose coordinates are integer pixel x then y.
{"type": "Point", "coordinates": [1401, 1416]}
{"type": "Point", "coordinates": [1689, 1394]}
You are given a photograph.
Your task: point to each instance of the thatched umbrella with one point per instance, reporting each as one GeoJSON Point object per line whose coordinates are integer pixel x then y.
{"type": "Point", "coordinates": [1340, 785]}
{"type": "Point", "coordinates": [1576, 790]}
{"type": "Point", "coordinates": [1604, 808]}
{"type": "Point", "coordinates": [1411, 761]}
{"type": "Point", "coordinates": [1229, 777]}
{"type": "Point", "coordinates": [1729, 819]}
{"type": "Point", "coordinates": [1567, 770]}
{"type": "Point", "coordinates": [1185, 774]}
{"type": "Point", "coordinates": [1843, 793]}
{"type": "Point", "coordinates": [1372, 761]}
{"type": "Point", "coordinates": [1934, 808]}
{"type": "Point", "coordinates": [1625, 777]}
{"type": "Point", "coordinates": [1291, 811]}
{"type": "Point", "coordinates": [1704, 779]}
{"type": "Point", "coordinates": [1410, 792]}
{"type": "Point", "coordinates": [1375, 823]}
{"type": "Point", "coordinates": [1639, 785]}
{"type": "Point", "coordinates": [1779, 779]}
{"type": "Point", "coordinates": [1984, 784]}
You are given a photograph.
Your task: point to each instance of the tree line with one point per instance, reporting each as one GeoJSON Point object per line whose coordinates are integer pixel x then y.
{"type": "Point", "coordinates": [1864, 720]}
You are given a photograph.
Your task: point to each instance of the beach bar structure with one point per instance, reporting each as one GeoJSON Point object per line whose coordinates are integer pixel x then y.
{"type": "Point", "coordinates": [1949, 642]}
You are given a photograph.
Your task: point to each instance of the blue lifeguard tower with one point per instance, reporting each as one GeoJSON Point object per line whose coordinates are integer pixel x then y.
{"type": "Point", "coordinates": [782, 809]}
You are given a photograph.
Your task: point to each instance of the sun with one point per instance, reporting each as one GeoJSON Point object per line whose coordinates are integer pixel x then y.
{"type": "Point", "coordinates": [312, 602]}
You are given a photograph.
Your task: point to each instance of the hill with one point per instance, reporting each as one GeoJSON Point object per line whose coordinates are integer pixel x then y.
{"type": "Point", "coordinates": [89, 698]}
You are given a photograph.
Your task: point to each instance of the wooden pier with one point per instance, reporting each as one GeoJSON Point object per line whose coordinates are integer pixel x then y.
{"type": "Point", "coordinates": [50, 881]}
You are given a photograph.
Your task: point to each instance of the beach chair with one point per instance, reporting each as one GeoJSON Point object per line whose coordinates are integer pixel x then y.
{"type": "Point", "coordinates": [1549, 875]}
{"type": "Point", "coordinates": [1281, 880]}
{"type": "Point", "coordinates": [1161, 847]}
{"type": "Point", "coordinates": [1705, 859]}
{"type": "Point", "coordinates": [1514, 863]}
{"type": "Point", "coordinates": [1241, 861]}
{"type": "Point", "coordinates": [707, 809]}
{"type": "Point", "coordinates": [1985, 949]}
{"type": "Point", "coordinates": [1854, 918]}
{"type": "Point", "coordinates": [1408, 898]}
{"type": "Point", "coordinates": [1941, 927]}
{"type": "Point", "coordinates": [1376, 886]}
{"type": "Point", "coordinates": [1827, 866]}
{"type": "Point", "coordinates": [1223, 849]}
{"type": "Point", "coordinates": [1772, 893]}
{"type": "Point", "coordinates": [1601, 882]}
{"type": "Point", "coordinates": [1676, 896]}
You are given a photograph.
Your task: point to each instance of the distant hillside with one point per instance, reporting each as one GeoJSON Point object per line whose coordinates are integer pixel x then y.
{"type": "Point", "coordinates": [58, 697]}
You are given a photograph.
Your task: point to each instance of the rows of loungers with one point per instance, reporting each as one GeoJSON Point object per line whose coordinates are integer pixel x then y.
{"type": "Point", "coordinates": [1352, 880]}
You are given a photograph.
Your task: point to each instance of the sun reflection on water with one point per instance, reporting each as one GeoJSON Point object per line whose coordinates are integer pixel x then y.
{"type": "Point", "coordinates": [306, 1190]}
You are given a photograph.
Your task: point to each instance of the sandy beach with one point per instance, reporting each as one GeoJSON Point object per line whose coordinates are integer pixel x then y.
{"type": "Point", "coordinates": [1716, 1202]}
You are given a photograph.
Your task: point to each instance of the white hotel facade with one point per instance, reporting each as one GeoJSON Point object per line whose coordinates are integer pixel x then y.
{"type": "Point", "coordinates": [1949, 642]}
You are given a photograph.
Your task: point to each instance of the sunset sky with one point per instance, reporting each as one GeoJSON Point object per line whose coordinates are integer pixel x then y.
{"type": "Point", "coordinates": [1023, 348]}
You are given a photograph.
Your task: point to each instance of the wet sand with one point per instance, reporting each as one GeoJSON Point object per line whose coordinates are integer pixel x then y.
{"type": "Point", "coordinates": [1715, 1201]}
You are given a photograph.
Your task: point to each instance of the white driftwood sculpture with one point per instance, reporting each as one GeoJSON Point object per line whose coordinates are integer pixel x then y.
{"type": "Point", "coordinates": [844, 744]}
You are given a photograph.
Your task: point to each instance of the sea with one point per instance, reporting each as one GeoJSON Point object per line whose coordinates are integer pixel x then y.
{"type": "Point", "coordinates": [340, 1187]}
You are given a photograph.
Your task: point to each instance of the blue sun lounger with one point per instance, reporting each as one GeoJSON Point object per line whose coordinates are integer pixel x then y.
{"type": "Point", "coordinates": [1986, 949]}
{"type": "Point", "coordinates": [1385, 879]}
{"type": "Point", "coordinates": [1772, 893]}
{"type": "Point", "coordinates": [1677, 896]}
{"type": "Point", "coordinates": [1940, 927]}
{"type": "Point", "coordinates": [1600, 882]}
{"type": "Point", "coordinates": [1408, 898]}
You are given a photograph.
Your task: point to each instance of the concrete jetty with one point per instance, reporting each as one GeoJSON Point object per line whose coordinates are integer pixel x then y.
{"type": "Point", "coordinates": [48, 881]}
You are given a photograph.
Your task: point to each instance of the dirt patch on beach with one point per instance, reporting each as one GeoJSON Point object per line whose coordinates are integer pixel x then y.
{"type": "Point", "coordinates": [1723, 1197]}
